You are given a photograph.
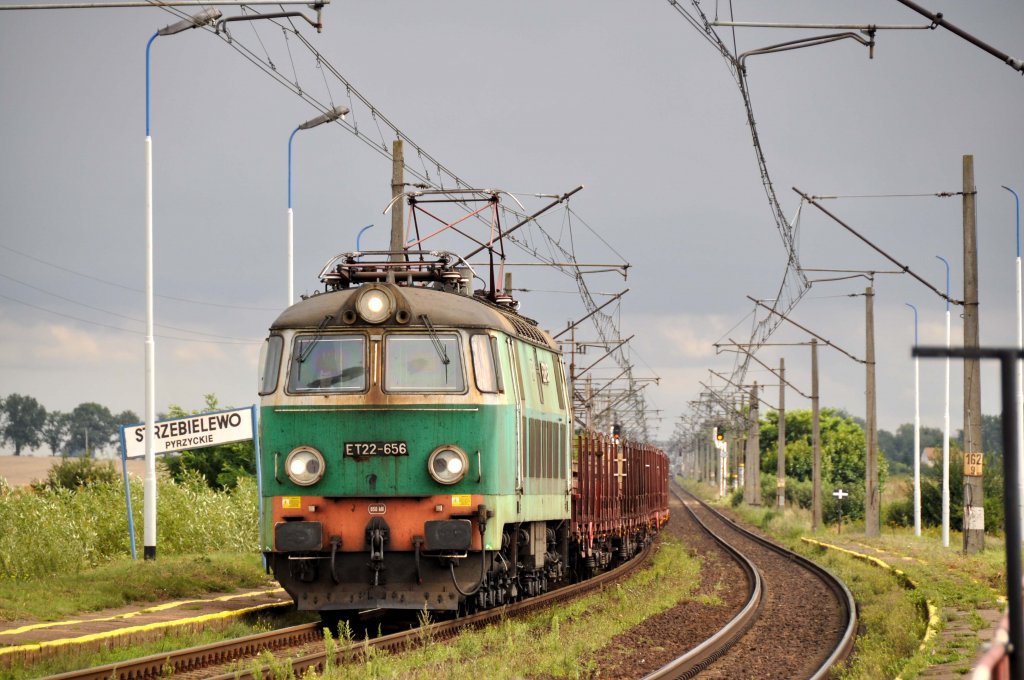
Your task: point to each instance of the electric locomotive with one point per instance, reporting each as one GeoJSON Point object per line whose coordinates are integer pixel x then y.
{"type": "Point", "coordinates": [415, 442]}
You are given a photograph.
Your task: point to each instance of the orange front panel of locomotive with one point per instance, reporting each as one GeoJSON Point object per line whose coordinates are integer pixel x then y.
{"type": "Point", "coordinates": [347, 518]}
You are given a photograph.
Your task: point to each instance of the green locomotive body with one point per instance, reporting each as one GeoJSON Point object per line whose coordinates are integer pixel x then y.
{"type": "Point", "coordinates": [416, 450]}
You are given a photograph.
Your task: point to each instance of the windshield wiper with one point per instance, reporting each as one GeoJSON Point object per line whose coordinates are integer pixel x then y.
{"type": "Point", "coordinates": [316, 338]}
{"type": "Point", "coordinates": [438, 345]}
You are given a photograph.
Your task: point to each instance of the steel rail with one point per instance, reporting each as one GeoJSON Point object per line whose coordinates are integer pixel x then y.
{"type": "Point", "coordinates": [844, 646]}
{"type": "Point", "coordinates": [188, 660]}
{"type": "Point", "coordinates": [448, 629]}
{"type": "Point", "coordinates": [704, 654]}
{"type": "Point", "coordinates": [194, 659]}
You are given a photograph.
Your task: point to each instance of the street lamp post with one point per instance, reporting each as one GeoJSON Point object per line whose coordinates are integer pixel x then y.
{"type": "Point", "coordinates": [945, 429]}
{"type": "Point", "coordinates": [332, 115]}
{"type": "Point", "coordinates": [1020, 345]}
{"type": "Point", "coordinates": [917, 431]}
{"type": "Point", "coordinates": [149, 481]}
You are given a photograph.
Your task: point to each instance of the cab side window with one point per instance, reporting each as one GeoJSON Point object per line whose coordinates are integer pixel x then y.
{"type": "Point", "coordinates": [485, 363]}
{"type": "Point", "coordinates": [270, 363]}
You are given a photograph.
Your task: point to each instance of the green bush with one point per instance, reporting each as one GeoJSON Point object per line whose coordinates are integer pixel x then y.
{"type": "Point", "coordinates": [995, 514]}
{"type": "Point", "coordinates": [735, 498]}
{"type": "Point", "coordinates": [72, 473]}
{"type": "Point", "coordinates": [192, 518]}
{"type": "Point", "coordinates": [61, 531]}
{"type": "Point", "coordinates": [899, 513]}
{"type": "Point", "coordinates": [800, 492]}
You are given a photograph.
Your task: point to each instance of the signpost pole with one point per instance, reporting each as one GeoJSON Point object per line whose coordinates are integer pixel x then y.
{"type": "Point", "coordinates": [127, 494]}
{"type": "Point", "coordinates": [259, 481]}
{"type": "Point", "coordinates": [840, 495]}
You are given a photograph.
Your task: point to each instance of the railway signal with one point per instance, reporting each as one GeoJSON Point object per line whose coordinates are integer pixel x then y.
{"type": "Point", "coordinates": [840, 495]}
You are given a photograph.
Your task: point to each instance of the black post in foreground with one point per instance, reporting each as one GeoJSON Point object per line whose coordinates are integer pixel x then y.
{"type": "Point", "coordinates": [1011, 492]}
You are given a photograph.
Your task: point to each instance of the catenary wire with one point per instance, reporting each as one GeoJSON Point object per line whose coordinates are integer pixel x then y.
{"type": "Point", "coordinates": [135, 290]}
{"type": "Point", "coordinates": [117, 314]}
{"type": "Point", "coordinates": [127, 330]}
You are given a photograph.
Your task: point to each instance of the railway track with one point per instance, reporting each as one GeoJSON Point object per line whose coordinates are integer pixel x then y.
{"type": "Point", "coordinates": [304, 646]}
{"type": "Point", "coordinates": [798, 620]}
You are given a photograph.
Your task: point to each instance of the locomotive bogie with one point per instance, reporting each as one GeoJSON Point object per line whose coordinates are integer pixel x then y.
{"type": "Point", "coordinates": [350, 581]}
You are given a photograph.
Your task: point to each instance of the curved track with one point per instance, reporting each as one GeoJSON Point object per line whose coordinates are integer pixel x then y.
{"type": "Point", "coordinates": [798, 622]}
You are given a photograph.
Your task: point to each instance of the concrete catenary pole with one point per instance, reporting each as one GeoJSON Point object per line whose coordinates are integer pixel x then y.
{"type": "Point", "coordinates": [711, 455]}
{"type": "Point", "coordinates": [974, 510]}
{"type": "Point", "coordinates": [397, 186]}
{"type": "Point", "coordinates": [815, 442]}
{"type": "Point", "coordinates": [780, 466]}
{"type": "Point", "coordinates": [872, 497]}
{"type": "Point", "coordinates": [754, 465]}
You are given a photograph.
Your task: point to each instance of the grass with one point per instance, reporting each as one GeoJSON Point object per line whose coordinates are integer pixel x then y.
{"type": "Point", "coordinates": [57, 532]}
{"type": "Point", "coordinates": [559, 643]}
{"type": "Point", "coordinates": [173, 641]}
{"type": "Point", "coordinates": [553, 644]}
{"type": "Point", "coordinates": [124, 581]}
{"type": "Point", "coordinates": [49, 585]}
{"type": "Point", "coordinates": [892, 618]}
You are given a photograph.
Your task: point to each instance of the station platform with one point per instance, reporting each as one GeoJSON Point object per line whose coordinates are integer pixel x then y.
{"type": "Point", "coordinates": [25, 642]}
{"type": "Point", "coordinates": [970, 631]}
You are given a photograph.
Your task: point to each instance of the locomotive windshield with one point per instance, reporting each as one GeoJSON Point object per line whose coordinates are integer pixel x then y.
{"type": "Point", "coordinates": [423, 363]}
{"type": "Point", "coordinates": [326, 364]}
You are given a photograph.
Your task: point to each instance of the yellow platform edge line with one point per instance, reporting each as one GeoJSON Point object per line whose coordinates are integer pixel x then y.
{"type": "Point", "coordinates": [147, 610]}
{"type": "Point", "coordinates": [934, 618]}
{"type": "Point", "coordinates": [138, 629]}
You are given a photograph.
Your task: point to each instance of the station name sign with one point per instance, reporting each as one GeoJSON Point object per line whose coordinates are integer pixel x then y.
{"type": "Point", "coordinates": [192, 432]}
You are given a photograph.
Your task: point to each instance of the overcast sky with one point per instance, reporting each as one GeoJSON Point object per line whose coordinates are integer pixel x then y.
{"type": "Point", "coordinates": [531, 97]}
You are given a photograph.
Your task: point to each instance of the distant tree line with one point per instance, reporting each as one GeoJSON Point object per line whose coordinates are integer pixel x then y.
{"type": "Point", "coordinates": [26, 424]}
{"type": "Point", "coordinates": [898, 446]}
{"type": "Point", "coordinates": [843, 451]}
{"type": "Point", "coordinates": [899, 451]}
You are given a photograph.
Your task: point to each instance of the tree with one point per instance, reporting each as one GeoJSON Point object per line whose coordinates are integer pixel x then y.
{"type": "Point", "coordinates": [842, 454]}
{"type": "Point", "coordinates": [126, 418]}
{"type": "Point", "coordinates": [55, 431]}
{"type": "Point", "coordinates": [24, 418]}
{"type": "Point", "coordinates": [93, 423]}
{"type": "Point", "coordinates": [899, 446]}
{"type": "Point", "coordinates": [931, 482]}
{"type": "Point", "coordinates": [991, 435]}
{"type": "Point", "coordinates": [221, 465]}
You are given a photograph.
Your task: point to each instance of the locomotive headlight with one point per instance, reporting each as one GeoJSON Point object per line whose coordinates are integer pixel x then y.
{"type": "Point", "coordinates": [304, 466]}
{"type": "Point", "coordinates": [448, 464]}
{"type": "Point", "coordinates": [375, 305]}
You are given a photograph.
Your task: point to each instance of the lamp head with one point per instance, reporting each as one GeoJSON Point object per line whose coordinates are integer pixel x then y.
{"type": "Point", "coordinates": [207, 16]}
{"type": "Point", "coordinates": [332, 115]}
